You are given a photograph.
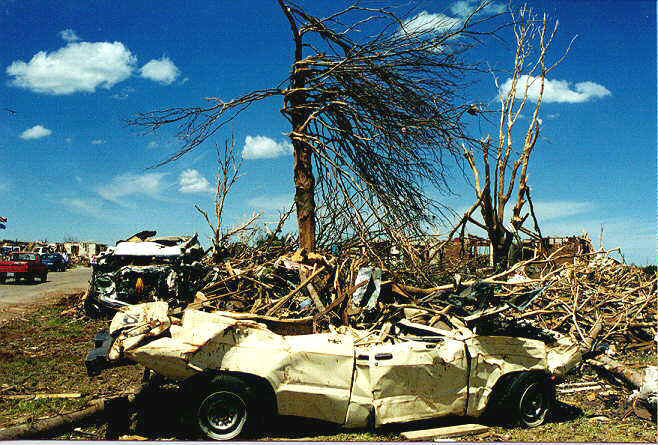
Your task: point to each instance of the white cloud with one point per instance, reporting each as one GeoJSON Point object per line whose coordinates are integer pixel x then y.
{"type": "Point", "coordinates": [36, 132]}
{"type": "Point", "coordinates": [551, 210]}
{"type": "Point", "coordinates": [426, 22]}
{"type": "Point", "coordinates": [464, 8]}
{"type": "Point", "coordinates": [123, 94]}
{"type": "Point", "coordinates": [262, 147]}
{"type": "Point", "coordinates": [98, 141]}
{"type": "Point", "coordinates": [160, 70]}
{"type": "Point", "coordinates": [128, 184]}
{"type": "Point", "coordinates": [69, 35]}
{"type": "Point", "coordinates": [276, 202]}
{"type": "Point", "coordinates": [438, 22]}
{"type": "Point", "coordinates": [81, 66]}
{"type": "Point", "coordinates": [191, 181]}
{"type": "Point", "coordinates": [68, 140]}
{"type": "Point", "coordinates": [556, 90]}
{"type": "Point", "coordinates": [152, 144]}
{"type": "Point", "coordinates": [81, 206]}
{"type": "Point", "coordinates": [4, 186]}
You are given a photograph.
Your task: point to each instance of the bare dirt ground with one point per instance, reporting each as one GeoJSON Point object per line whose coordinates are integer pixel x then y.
{"type": "Point", "coordinates": [17, 297]}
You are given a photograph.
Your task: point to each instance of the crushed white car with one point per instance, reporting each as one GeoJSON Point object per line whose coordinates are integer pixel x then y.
{"type": "Point", "coordinates": [240, 371]}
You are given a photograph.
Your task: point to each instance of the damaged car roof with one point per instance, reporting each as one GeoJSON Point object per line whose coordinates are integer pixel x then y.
{"type": "Point", "coordinates": [146, 248]}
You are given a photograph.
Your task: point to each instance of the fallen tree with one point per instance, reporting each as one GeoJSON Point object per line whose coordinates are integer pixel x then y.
{"type": "Point", "coordinates": [43, 427]}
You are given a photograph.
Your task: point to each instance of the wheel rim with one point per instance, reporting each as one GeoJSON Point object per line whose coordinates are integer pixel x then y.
{"type": "Point", "coordinates": [222, 415]}
{"type": "Point", "coordinates": [532, 405]}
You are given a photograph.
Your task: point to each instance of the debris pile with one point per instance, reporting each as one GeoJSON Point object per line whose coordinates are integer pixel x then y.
{"type": "Point", "coordinates": [596, 286]}
{"type": "Point", "coordinates": [318, 290]}
{"type": "Point", "coordinates": [304, 292]}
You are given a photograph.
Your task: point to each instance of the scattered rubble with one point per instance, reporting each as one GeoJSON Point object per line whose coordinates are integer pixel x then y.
{"type": "Point", "coordinates": [445, 432]}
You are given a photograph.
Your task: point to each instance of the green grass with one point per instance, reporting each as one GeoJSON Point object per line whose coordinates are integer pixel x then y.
{"type": "Point", "coordinates": [43, 352]}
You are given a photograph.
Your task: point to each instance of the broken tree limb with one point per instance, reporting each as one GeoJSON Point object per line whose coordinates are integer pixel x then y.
{"type": "Point", "coordinates": [74, 395]}
{"type": "Point", "coordinates": [632, 378]}
{"type": "Point", "coordinates": [586, 345]}
{"type": "Point", "coordinates": [311, 290]}
{"type": "Point", "coordinates": [44, 426]}
{"type": "Point", "coordinates": [294, 292]}
{"type": "Point", "coordinates": [415, 306]}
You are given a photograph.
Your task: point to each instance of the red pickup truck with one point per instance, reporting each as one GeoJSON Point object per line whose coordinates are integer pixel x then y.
{"type": "Point", "coordinates": [26, 265]}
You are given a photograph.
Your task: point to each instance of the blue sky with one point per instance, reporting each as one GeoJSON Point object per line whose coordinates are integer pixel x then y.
{"type": "Point", "coordinates": [74, 71]}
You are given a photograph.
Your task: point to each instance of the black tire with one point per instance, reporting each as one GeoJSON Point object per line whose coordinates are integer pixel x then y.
{"type": "Point", "coordinates": [530, 399]}
{"type": "Point", "coordinates": [225, 411]}
{"type": "Point", "coordinates": [3, 278]}
{"type": "Point", "coordinates": [44, 277]}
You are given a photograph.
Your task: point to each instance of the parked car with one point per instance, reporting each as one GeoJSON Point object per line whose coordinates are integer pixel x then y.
{"type": "Point", "coordinates": [26, 265]}
{"type": "Point", "coordinates": [237, 370]}
{"type": "Point", "coordinates": [7, 250]}
{"type": "Point", "coordinates": [54, 261]}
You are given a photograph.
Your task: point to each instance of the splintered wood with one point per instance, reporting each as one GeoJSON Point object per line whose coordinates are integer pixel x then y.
{"type": "Point", "coordinates": [445, 432]}
{"type": "Point", "coordinates": [308, 292]}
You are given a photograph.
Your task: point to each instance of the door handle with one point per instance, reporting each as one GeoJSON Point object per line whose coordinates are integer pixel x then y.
{"type": "Point", "coordinates": [383, 356]}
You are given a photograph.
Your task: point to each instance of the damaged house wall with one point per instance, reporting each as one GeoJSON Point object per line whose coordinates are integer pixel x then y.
{"type": "Point", "coordinates": [84, 249]}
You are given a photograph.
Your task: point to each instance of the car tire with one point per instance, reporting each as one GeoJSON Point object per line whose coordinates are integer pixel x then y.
{"type": "Point", "coordinates": [530, 399]}
{"type": "Point", "coordinates": [44, 277]}
{"type": "Point", "coordinates": [225, 411]}
{"type": "Point", "coordinates": [3, 278]}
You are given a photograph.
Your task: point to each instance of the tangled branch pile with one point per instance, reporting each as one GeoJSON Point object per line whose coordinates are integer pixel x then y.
{"type": "Point", "coordinates": [598, 286]}
{"type": "Point", "coordinates": [306, 292]}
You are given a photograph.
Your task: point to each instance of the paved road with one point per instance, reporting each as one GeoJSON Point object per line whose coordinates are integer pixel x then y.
{"type": "Point", "coordinates": [20, 293]}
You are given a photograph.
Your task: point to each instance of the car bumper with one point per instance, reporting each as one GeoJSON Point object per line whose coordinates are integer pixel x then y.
{"type": "Point", "coordinates": [97, 359]}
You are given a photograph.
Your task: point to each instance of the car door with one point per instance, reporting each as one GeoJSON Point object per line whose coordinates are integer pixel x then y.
{"type": "Point", "coordinates": [316, 378]}
{"type": "Point", "coordinates": [419, 379]}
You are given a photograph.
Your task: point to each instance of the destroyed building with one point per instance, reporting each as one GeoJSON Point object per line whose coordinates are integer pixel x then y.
{"type": "Point", "coordinates": [84, 249]}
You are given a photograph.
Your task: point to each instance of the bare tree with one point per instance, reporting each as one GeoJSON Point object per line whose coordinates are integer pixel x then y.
{"type": "Point", "coordinates": [227, 176]}
{"type": "Point", "coordinates": [534, 37]}
{"type": "Point", "coordinates": [372, 119]}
